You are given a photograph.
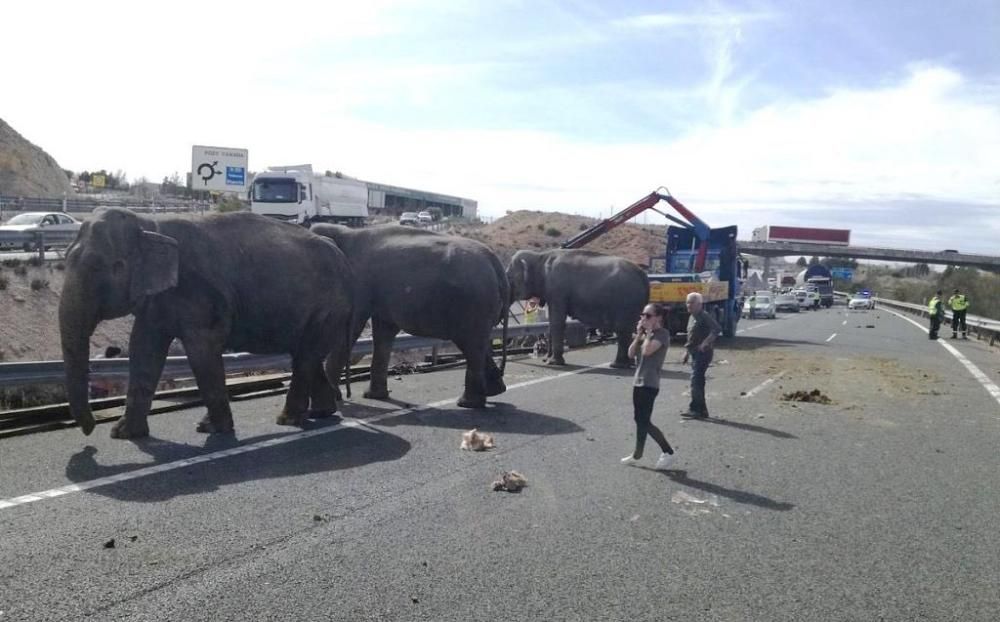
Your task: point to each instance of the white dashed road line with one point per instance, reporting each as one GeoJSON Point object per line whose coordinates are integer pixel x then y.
{"type": "Point", "coordinates": [977, 373]}
{"type": "Point", "coordinates": [251, 447]}
{"type": "Point", "coordinates": [830, 338]}
{"type": "Point", "coordinates": [760, 387]}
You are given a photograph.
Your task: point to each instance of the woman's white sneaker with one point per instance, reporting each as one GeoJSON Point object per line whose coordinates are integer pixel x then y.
{"type": "Point", "coordinates": [665, 461]}
{"type": "Point", "coordinates": [629, 460]}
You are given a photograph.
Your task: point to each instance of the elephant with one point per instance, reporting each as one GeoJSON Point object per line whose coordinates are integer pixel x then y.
{"type": "Point", "coordinates": [429, 285]}
{"type": "Point", "coordinates": [601, 291]}
{"type": "Point", "coordinates": [235, 281]}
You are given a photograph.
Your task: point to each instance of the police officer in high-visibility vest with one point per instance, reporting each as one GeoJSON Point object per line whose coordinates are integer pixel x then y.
{"type": "Point", "coordinates": [959, 307]}
{"type": "Point", "coordinates": [936, 311]}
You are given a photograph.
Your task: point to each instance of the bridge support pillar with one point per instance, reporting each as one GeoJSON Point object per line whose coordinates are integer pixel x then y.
{"type": "Point", "coordinates": [767, 268]}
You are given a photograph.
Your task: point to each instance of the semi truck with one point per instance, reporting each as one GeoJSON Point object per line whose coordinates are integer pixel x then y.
{"type": "Point", "coordinates": [698, 259]}
{"type": "Point", "coordinates": [802, 235]}
{"type": "Point", "coordinates": [296, 194]}
{"type": "Point", "coordinates": [819, 277]}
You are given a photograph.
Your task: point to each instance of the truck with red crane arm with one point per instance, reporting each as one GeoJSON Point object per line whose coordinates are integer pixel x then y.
{"type": "Point", "coordinates": [698, 259]}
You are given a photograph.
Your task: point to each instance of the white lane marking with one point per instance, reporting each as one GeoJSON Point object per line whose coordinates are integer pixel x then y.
{"type": "Point", "coordinates": [750, 328]}
{"type": "Point", "coordinates": [830, 338]}
{"type": "Point", "coordinates": [760, 387]}
{"type": "Point", "coordinates": [844, 323]}
{"type": "Point", "coordinates": [245, 449]}
{"type": "Point", "coordinates": [977, 373]}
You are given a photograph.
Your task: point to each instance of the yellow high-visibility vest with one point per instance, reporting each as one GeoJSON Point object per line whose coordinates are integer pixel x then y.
{"type": "Point", "coordinates": [932, 306]}
{"type": "Point", "coordinates": [958, 302]}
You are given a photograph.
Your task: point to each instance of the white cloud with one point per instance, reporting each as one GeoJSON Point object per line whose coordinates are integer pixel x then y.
{"type": "Point", "coordinates": [712, 19]}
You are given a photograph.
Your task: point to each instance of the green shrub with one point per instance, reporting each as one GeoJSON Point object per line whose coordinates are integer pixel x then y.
{"type": "Point", "coordinates": [21, 270]}
{"type": "Point", "coordinates": [4, 282]}
{"type": "Point", "coordinates": [37, 284]}
{"type": "Point", "coordinates": [552, 232]}
{"type": "Point", "coordinates": [11, 263]}
{"type": "Point", "coordinates": [541, 227]}
{"type": "Point", "coordinates": [230, 204]}
{"type": "Point", "coordinates": [35, 262]}
{"type": "Point", "coordinates": [60, 266]}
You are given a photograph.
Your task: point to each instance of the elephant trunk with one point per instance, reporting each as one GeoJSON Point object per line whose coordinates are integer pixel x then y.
{"type": "Point", "coordinates": [77, 321]}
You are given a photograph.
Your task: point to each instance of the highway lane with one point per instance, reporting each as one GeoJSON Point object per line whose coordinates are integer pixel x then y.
{"type": "Point", "coordinates": [878, 505]}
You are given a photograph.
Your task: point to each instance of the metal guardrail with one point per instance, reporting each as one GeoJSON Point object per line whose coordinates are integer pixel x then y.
{"type": "Point", "coordinates": [43, 372]}
{"type": "Point", "coordinates": [983, 328]}
{"type": "Point", "coordinates": [77, 204]}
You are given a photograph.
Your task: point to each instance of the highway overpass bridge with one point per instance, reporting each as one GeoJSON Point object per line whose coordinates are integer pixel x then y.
{"type": "Point", "coordinates": [782, 249]}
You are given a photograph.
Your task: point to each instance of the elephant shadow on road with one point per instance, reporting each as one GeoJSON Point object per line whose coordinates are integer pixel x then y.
{"type": "Point", "coordinates": [498, 417]}
{"type": "Point", "coordinates": [346, 448]}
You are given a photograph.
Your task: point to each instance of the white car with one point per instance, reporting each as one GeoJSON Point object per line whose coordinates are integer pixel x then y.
{"type": "Point", "coordinates": [31, 222]}
{"type": "Point", "coordinates": [786, 302]}
{"type": "Point", "coordinates": [409, 218]}
{"type": "Point", "coordinates": [763, 307]}
{"type": "Point", "coordinates": [425, 217]}
{"type": "Point", "coordinates": [861, 302]}
{"type": "Point", "coordinates": [802, 296]}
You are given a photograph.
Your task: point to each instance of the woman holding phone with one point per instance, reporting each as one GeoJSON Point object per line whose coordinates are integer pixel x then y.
{"type": "Point", "coordinates": [648, 348]}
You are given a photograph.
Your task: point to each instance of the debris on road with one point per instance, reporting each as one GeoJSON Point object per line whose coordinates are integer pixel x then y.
{"type": "Point", "coordinates": [474, 440]}
{"type": "Point", "coordinates": [815, 397]}
{"type": "Point", "coordinates": [110, 544]}
{"type": "Point", "coordinates": [511, 481]}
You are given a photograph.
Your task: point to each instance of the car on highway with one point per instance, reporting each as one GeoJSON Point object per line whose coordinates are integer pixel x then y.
{"type": "Point", "coordinates": [786, 302]}
{"type": "Point", "coordinates": [860, 301]}
{"type": "Point", "coordinates": [425, 218]}
{"type": "Point", "coordinates": [802, 297]}
{"type": "Point", "coordinates": [34, 222]}
{"type": "Point", "coordinates": [409, 218]}
{"type": "Point", "coordinates": [763, 307]}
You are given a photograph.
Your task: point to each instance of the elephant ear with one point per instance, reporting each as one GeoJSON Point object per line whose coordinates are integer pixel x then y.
{"type": "Point", "coordinates": [157, 268]}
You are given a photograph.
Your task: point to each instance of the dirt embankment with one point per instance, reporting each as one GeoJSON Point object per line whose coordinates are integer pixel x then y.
{"type": "Point", "coordinates": [26, 170]}
{"type": "Point", "coordinates": [29, 315]}
{"type": "Point", "coordinates": [528, 230]}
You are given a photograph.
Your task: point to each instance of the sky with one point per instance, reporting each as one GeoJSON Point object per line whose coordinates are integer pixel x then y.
{"type": "Point", "coordinates": [882, 117]}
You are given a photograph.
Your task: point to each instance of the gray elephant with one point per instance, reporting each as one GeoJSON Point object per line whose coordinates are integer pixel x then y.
{"type": "Point", "coordinates": [429, 285]}
{"type": "Point", "coordinates": [601, 291]}
{"type": "Point", "coordinates": [235, 281]}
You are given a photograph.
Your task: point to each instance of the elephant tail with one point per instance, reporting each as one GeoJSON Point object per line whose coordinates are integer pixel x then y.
{"type": "Point", "coordinates": [347, 360]}
{"type": "Point", "coordinates": [503, 346]}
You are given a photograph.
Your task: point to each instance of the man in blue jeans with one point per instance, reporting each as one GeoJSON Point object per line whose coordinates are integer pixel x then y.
{"type": "Point", "coordinates": [702, 331]}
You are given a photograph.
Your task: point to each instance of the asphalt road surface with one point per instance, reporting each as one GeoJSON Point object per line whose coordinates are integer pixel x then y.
{"type": "Point", "coordinates": [882, 505]}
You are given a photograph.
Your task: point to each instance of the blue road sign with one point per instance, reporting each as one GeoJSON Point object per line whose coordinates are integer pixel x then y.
{"type": "Point", "coordinates": [846, 274]}
{"type": "Point", "coordinates": [235, 176]}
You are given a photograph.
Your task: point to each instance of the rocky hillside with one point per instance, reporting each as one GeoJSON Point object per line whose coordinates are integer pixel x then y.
{"type": "Point", "coordinates": [542, 230]}
{"type": "Point", "coordinates": [26, 170]}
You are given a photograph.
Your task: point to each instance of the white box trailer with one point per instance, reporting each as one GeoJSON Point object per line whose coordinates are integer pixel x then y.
{"type": "Point", "coordinates": [296, 194]}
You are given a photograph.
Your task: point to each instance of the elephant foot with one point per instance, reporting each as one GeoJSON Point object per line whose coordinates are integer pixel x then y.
{"type": "Point", "coordinates": [621, 365]}
{"type": "Point", "coordinates": [337, 396]}
{"type": "Point", "coordinates": [322, 413]}
{"type": "Point", "coordinates": [472, 402]}
{"type": "Point", "coordinates": [377, 394]}
{"type": "Point", "coordinates": [295, 420]}
{"type": "Point", "coordinates": [495, 387]}
{"type": "Point", "coordinates": [207, 426]}
{"type": "Point", "coordinates": [125, 428]}
{"type": "Point", "coordinates": [556, 361]}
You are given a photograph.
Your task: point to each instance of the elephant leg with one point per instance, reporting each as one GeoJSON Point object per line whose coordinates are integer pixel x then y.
{"type": "Point", "coordinates": [204, 352]}
{"type": "Point", "coordinates": [557, 335]}
{"type": "Point", "coordinates": [622, 360]}
{"type": "Point", "coordinates": [296, 407]}
{"type": "Point", "coordinates": [322, 399]}
{"type": "Point", "coordinates": [475, 353]}
{"type": "Point", "coordinates": [494, 380]}
{"type": "Point", "coordinates": [383, 334]}
{"type": "Point", "coordinates": [147, 355]}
